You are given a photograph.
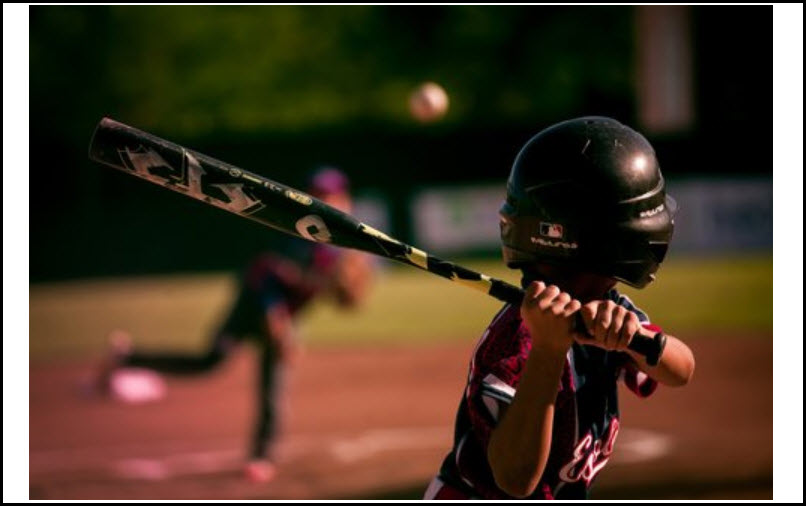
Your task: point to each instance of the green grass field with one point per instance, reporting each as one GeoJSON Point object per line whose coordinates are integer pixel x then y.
{"type": "Point", "coordinates": [692, 295]}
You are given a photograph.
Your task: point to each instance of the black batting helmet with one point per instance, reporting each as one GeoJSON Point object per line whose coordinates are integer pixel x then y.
{"type": "Point", "coordinates": [588, 193]}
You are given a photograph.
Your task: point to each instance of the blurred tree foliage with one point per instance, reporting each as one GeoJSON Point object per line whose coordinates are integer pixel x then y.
{"type": "Point", "coordinates": [280, 89]}
{"type": "Point", "coordinates": [193, 70]}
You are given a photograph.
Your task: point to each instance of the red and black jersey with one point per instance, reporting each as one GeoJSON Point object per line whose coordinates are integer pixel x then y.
{"type": "Point", "coordinates": [295, 277]}
{"type": "Point", "coordinates": [292, 278]}
{"type": "Point", "coordinates": [586, 416]}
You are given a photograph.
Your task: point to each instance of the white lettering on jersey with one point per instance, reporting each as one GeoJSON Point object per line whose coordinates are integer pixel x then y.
{"type": "Point", "coordinates": [590, 456]}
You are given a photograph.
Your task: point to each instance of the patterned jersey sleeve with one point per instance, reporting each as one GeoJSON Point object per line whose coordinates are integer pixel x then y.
{"type": "Point", "coordinates": [495, 372]}
{"type": "Point", "coordinates": [637, 381]}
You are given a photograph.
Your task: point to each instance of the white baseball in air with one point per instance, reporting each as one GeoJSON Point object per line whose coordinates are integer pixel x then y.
{"type": "Point", "coordinates": [428, 102]}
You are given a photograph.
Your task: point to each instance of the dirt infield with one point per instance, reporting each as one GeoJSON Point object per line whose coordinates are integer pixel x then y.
{"type": "Point", "coordinates": [375, 423]}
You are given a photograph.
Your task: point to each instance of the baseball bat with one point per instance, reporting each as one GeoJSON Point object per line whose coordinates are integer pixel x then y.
{"type": "Point", "coordinates": [284, 208]}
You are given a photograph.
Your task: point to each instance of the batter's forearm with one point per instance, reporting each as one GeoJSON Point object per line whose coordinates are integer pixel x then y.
{"type": "Point", "coordinates": [519, 446]}
{"type": "Point", "coordinates": [676, 365]}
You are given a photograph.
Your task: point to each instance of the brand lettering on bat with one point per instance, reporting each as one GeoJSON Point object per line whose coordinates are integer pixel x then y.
{"type": "Point", "coordinates": [299, 197]}
{"type": "Point", "coordinates": [313, 228]}
{"type": "Point", "coordinates": [190, 179]}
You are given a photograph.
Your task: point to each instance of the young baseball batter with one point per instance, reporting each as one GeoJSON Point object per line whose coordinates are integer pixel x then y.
{"type": "Point", "coordinates": [586, 208]}
{"type": "Point", "coordinates": [273, 289]}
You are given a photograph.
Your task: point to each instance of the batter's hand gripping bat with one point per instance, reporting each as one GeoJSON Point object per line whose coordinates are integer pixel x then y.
{"type": "Point", "coordinates": [283, 208]}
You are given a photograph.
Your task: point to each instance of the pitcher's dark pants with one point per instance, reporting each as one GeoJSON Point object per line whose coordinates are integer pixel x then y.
{"type": "Point", "coordinates": [245, 319]}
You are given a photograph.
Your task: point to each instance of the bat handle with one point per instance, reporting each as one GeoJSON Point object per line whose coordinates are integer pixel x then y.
{"type": "Point", "coordinates": [650, 347]}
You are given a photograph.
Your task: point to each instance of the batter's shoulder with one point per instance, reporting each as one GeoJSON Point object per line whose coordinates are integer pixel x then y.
{"type": "Point", "coordinates": [504, 337]}
{"type": "Point", "coordinates": [507, 320]}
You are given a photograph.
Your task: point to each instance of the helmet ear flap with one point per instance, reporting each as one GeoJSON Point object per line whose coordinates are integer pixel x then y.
{"type": "Point", "coordinates": [658, 250]}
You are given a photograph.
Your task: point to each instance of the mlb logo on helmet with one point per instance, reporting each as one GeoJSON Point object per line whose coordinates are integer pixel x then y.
{"type": "Point", "coordinates": [553, 230]}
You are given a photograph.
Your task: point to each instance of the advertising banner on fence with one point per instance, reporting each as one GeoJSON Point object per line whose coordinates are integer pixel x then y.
{"type": "Point", "coordinates": [715, 215]}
